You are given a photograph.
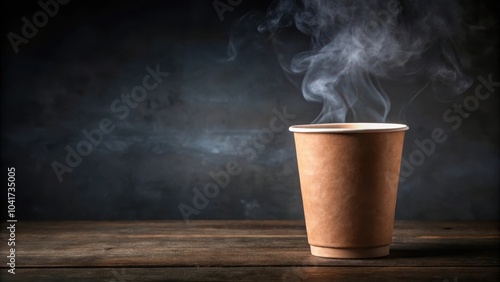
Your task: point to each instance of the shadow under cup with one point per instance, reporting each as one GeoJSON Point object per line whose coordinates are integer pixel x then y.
{"type": "Point", "coordinates": [349, 174]}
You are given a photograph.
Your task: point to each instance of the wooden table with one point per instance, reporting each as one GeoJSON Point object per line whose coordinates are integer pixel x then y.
{"type": "Point", "coordinates": [242, 251]}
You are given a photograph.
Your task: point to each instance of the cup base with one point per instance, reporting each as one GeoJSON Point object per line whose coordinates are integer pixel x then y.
{"type": "Point", "coordinates": [351, 253]}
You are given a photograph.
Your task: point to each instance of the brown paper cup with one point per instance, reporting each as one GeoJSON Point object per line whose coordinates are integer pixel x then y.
{"type": "Point", "coordinates": [349, 174]}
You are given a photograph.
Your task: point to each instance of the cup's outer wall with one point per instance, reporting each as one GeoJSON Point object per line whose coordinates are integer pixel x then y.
{"type": "Point", "coordinates": [349, 186]}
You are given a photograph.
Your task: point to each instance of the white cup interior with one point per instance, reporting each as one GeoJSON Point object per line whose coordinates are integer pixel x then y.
{"type": "Point", "coordinates": [348, 127]}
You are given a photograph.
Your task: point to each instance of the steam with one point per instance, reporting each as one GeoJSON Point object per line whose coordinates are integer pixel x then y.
{"type": "Point", "coordinates": [354, 44]}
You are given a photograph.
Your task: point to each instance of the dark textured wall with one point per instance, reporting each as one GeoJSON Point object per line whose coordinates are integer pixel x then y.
{"type": "Point", "coordinates": [204, 113]}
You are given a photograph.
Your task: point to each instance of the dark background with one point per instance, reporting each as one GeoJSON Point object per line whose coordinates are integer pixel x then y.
{"type": "Point", "coordinates": [203, 115]}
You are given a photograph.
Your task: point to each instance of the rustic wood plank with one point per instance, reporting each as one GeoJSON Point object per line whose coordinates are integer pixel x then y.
{"type": "Point", "coordinates": [240, 243]}
{"type": "Point", "coordinates": [389, 274]}
{"type": "Point", "coordinates": [261, 227]}
{"type": "Point", "coordinates": [424, 230]}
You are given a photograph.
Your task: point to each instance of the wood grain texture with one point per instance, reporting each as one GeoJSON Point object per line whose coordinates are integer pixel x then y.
{"type": "Point", "coordinates": [347, 274]}
{"type": "Point", "coordinates": [246, 250]}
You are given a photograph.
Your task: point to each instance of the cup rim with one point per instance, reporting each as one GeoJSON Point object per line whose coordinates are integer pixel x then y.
{"type": "Point", "coordinates": [348, 127]}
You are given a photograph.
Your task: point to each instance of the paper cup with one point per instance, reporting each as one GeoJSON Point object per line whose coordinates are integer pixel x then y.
{"type": "Point", "coordinates": [349, 174]}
